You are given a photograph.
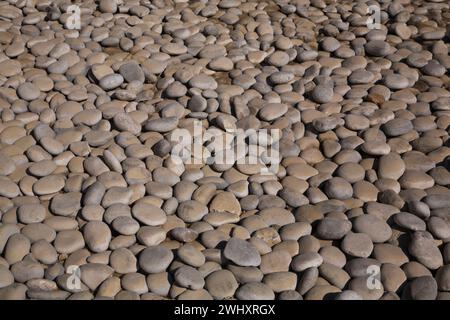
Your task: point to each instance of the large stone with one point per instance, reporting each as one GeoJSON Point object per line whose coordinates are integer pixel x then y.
{"type": "Point", "coordinates": [155, 259]}
{"type": "Point", "coordinates": [242, 253]}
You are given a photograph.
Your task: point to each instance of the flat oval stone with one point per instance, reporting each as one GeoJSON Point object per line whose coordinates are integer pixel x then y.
{"type": "Point", "coordinates": [132, 72]}
{"type": "Point", "coordinates": [333, 229]}
{"type": "Point", "coordinates": [31, 213]}
{"type": "Point", "coordinates": [26, 270]}
{"type": "Point", "coordinates": [338, 188]}
{"type": "Point", "coordinates": [305, 261]}
{"type": "Point", "coordinates": [66, 204]}
{"type": "Point", "coordinates": [123, 261]}
{"type": "Point", "coordinates": [162, 124]}
{"type": "Point", "coordinates": [424, 249]}
{"type": "Point", "coordinates": [221, 64]}
{"type": "Point", "coordinates": [6, 277]}
{"type": "Point", "coordinates": [391, 166]}
{"type": "Point", "coordinates": [189, 254]}
{"type": "Point", "coordinates": [437, 201]}
{"type": "Point", "coordinates": [125, 122]}
{"type": "Point", "coordinates": [422, 288]}
{"type": "Point", "coordinates": [409, 221]}
{"type": "Point", "coordinates": [148, 214]}
{"type": "Point", "coordinates": [221, 284]}
{"type": "Point", "coordinates": [278, 58]}
{"type": "Point", "coordinates": [397, 127]}
{"type": "Point", "coordinates": [203, 82]}
{"type": "Point", "coordinates": [212, 51]}
{"type": "Point", "coordinates": [191, 211]}
{"type": "Point", "coordinates": [7, 166]}
{"type": "Point", "coordinates": [42, 168]}
{"type": "Point", "coordinates": [378, 230]}
{"type": "Point", "coordinates": [93, 274]}
{"type": "Point", "coordinates": [272, 111]}
{"type": "Point", "coordinates": [111, 81]}
{"type": "Point", "coordinates": [155, 259]}
{"type": "Point", "coordinates": [357, 245]}
{"type": "Point", "coordinates": [97, 235]}
{"type": "Point", "coordinates": [8, 188]}
{"type": "Point", "coordinates": [189, 277]}
{"type": "Point", "coordinates": [10, 67]}
{"type": "Point", "coordinates": [322, 93]}
{"type": "Point", "coordinates": [377, 48]}
{"type": "Point", "coordinates": [443, 278]}
{"type": "Point", "coordinates": [415, 179]}
{"type": "Point", "coordinates": [225, 201]}
{"type": "Point", "coordinates": [388, 253]}
{"type": "Point", "coordinates": [68, 241]}
{"type": "Point", "coordinates": [48, 185]}
{"type": "Point", "coordinates": [28, 91]}
{"type": "Point", "coordinates": [396, 81]}
{"type": "Point", "coordinates": [125, 225]}
{"type": "Point", "coordinates": [242, 253]}
{"type": "Point", "coordinates": [255, 291]}
{"type": "Point", "coordinates": [276, 216]}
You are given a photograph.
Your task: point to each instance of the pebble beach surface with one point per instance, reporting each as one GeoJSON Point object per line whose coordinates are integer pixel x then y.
{"type": "Point", "coordinates": [94, 206]}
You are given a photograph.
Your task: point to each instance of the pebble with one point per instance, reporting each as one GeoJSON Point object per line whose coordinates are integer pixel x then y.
{"type": "Point", "coordinates": [189, 254]}
{"type": "Point", "coordinates": [6, 277]}
{"type": "Point", "coordinates": [221, 284]}
{"type": "Point", "coordinates": [66, 204]}
{"type": "Point", "coordinates": [255, 291]}
{"type": "Point", "coordinates": [8, 189]}
{"type": "Point", "coordinates": [49, 184]}
{"type": "Point", "coordinates": [397, 127]}
{"type": "Point", "coordinates": [275, 261]}
{"type": "Point", "coordinates": [242, 253]}
{"type": "Point", "coordinates": [391, 166]}
{"type": "Point", "coordinates": [322, 94]}
{"type": "Point", "coordinates": [409, 221]}
{"type": "Point", "coordinates": [93, 274]}
{"type": "Point", "coordinates": [443, 278]}
{"type": "Point", "coordinates": [111, 81]}
{"type": "Point", "coordinates": [377, 48]}
{"type": "Point", "coordinates": [387, 253]}
{"type": "Point", "coordinates": [123, 261]}
{"type": "Point", "coordinates": [97, 236]}
{"type": "Point", "coordinates": [31, 213]}
{"type": "Point", "coordinates": [348, 295]}
{"type": "Point", "coordinates": [189, 277]}
{"type": "Point", "coordinates": [225, 202]}
{"type": "Point", "coordinates": [148, 214]}
{"type": "Point", "coordinates": [131, 71]}
{"type": "Point", "coordinates": [424, 249]}
{"type": "Point", "coordinates": [378, 230]}
{"type": "Point", "coordinates": [191, 211]}
{"type": "Point", "coordinates": [422, 288]}
{"type": "Point", "coordinates": [333, 229]}
{"type": "Point", "coordinates": [69, 241]}
{"type": "Point", "coordinates": [28, 91]}
{"type": "Point", "coordinates": [155, 259]}
{"type": "Point", "coordinates": [357, 244]}
{"type": "Point", "coordinates": [338, 188]}
{"type": "Point", "coordinates": [306, 260]}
